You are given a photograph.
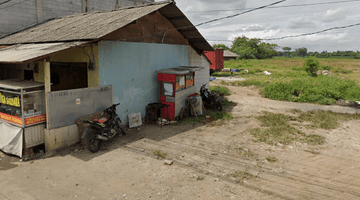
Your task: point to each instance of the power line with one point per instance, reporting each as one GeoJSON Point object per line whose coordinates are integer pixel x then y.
{"type": "Point", "coordinates": [13, 4]}
{"type": "Point", "coordinates": [231, 16]}
{"type": "Point", "coordinates": [300, 35]}
{"type": "Point", "coordinates": [296, 5]}
{"type": "Point", "coordinates": [5, 2]}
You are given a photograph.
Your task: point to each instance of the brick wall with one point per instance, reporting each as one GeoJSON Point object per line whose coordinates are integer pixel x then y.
{"type": "Point", "coordinates": [19, 14]}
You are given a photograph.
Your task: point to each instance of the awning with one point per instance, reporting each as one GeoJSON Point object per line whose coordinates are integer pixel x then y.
{"type": "Point", "coordinates": [26, 52]}
{"type": "Point", "coordinates": [180, 70]}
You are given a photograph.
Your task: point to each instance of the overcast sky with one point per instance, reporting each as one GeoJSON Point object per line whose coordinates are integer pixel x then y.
{"type": "Point", "coordinates": [279, 22]}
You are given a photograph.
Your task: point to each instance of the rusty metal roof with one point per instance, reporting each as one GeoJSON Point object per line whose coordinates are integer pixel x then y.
{"type": "Point", "coordinates": [95, 25]}
{"type": "Point", "coordinates": [228, 53]}
{"type": "Point", "coordinates": [26, 52]}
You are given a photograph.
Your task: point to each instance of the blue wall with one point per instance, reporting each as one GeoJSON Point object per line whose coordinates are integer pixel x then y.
{"type": "Point", "coordinates": [131, 69]}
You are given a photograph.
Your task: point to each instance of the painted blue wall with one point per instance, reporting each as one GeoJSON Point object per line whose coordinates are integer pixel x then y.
{"type": "Point", "coordinates": [131, 69]}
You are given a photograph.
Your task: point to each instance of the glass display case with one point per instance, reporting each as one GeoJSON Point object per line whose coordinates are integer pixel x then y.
{"type": "Point", "coordinates": [22, 103]}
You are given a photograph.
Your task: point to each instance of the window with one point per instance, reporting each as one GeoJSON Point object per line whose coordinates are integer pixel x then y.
{"type": "Point", "coordinates": [180, 83]}
{"type": "Point", "coordinates": [168, 89]}
{"type": "Point", "coordinates": [189, 80]}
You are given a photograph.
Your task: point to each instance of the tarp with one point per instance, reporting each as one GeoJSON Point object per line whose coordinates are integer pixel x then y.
{"type": "Point", "coordinates": [11, 139]}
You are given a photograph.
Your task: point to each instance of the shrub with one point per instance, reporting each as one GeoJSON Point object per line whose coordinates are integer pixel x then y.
{"type": "Point", "coordinates": [220, 89]}
{"type": "Point", "coordinates": [312, 66]}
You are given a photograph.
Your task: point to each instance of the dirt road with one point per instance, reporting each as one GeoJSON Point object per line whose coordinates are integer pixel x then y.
{"type": "Point", "coordinates": [210, 162]}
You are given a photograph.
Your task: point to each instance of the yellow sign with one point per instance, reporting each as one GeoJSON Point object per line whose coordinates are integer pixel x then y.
{"type": "Point", "coordinates": [15, 101]}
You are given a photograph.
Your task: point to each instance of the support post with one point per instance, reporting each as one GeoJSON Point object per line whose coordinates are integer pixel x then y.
{"type": "Point", "coordinates": [39, 11]}
{"type": "Point", "coordinates": [47, 81]}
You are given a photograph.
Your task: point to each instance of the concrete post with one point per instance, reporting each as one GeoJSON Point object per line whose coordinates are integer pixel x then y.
{"type": "Point", "coordinates": [39, 11]}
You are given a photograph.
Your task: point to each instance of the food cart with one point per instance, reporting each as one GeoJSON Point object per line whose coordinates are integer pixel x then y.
{"type": "Point", "coordinates": [176, 85]}
{"type": "Point", "coordinates": [22, 105]}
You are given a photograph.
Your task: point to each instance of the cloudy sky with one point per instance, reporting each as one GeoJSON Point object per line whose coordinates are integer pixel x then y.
{"type": "Point", "coordinates": [278, 22]}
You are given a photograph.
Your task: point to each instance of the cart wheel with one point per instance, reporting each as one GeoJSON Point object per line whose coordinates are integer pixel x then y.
{"type": "Point", "coordinates": [204, 110]}
{"type": "Point", "coordinates": [184, 113]}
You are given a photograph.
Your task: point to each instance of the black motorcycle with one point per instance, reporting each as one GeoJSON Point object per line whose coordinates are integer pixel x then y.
{"type": "Point", "coordinates": [102, 130]}
{"type": "Point", "coordinates": [211, 100]}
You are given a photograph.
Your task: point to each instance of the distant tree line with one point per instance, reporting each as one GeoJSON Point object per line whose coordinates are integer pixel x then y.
{"type": "Point", "coordinates": [248, 48]}
{"type": "Point", "coordinates": [253, 48]}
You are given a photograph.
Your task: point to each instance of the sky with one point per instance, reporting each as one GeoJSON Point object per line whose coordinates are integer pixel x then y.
{"type": "Point", "coordinates": [270, 23]}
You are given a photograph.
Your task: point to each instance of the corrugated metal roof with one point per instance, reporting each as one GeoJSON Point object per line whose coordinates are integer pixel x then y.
{"type": "Point", "coordinates": [180, 70]}
{"type": "Point", "coordinates": [228, 53]}
{"type": "Point", "coordinates": [95, 25]}
{"type": "Point", "coordinates": [26, 52]}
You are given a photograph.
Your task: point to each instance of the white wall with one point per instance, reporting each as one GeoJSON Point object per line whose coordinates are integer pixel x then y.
{"type": "Point", "coordinates": [19, 14]}
{"type": "Point", "coordinates": [202, 76]}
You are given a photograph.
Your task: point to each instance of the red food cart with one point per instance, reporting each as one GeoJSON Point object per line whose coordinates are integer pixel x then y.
{"type": "Point", "coordinates": [176, 85]}
{"type": "Point", "coordinates": [217, 60]}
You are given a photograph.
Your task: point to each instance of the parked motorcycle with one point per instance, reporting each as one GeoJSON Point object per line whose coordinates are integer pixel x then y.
{"type": "Point", "coordinates": [211, 100]}
{"type": "Point", "coordinates": [102, 130]}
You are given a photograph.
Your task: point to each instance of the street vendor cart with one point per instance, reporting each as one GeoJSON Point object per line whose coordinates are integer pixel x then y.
{"type": "Point", "coordinates": [176, 86]}
{"type": "Point", "coordinates": [22, 109]}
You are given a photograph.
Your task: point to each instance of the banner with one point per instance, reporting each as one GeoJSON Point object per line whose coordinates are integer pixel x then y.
{"type": "Point", "coordinates": [10, 118]}
{"type": "Point", "coordinates": [35, 120]}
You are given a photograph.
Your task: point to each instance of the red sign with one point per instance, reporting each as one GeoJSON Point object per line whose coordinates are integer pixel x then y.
{"type": "Point", "coordinates": [10, 118]}
{"type": "Point", "coordinates": [35, 120]}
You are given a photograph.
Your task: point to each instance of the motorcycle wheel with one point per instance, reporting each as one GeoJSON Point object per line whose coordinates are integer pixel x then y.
{"type": "Point", "coordinates": [93, 144]}
{"type": "Point", "coordinates": [123, 130]}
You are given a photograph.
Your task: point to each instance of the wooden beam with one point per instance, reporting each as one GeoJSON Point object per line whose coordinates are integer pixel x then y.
{"type": "Point", "coordinates": [47, 81]}
{"type": "Point", "coordinates": [176, 18]}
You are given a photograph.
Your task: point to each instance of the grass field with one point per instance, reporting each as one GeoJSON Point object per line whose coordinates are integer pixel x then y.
{"type": "Point", "coordinates": [290, 82]}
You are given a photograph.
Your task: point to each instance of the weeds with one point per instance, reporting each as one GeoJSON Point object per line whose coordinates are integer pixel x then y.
{"type": "Point", "coordinates": [271, 159]}
{"type": "Point", "coordinates": [313, 152]}
{"type": "Point", "coordinates": [221, 116]}
{"type": "Point", "coordinates": [220, 89]}
{"type": "Point", "coordinates": [227, 103]}
{"type": "Point", "coordinates": [278, 130]}
{"type": "Point", "coordinates": [245, 152]}
{"type": "Point", "coordinates": [241, 175]}
{"type": "Point", "coordinates": [160, 154]}
{"type": "Point", "coordinates": [200, 178]}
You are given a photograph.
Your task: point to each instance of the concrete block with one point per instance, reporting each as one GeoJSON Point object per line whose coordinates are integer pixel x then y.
{"type": "Point", "coordinates": [61, 137]}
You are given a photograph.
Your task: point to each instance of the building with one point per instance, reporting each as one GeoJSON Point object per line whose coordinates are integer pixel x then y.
{"type": "Point", "coordinates": [228, 55]}
{"type": "Point", "coordinates": [16, 15]}
{"type": "Point", "coordinates": [88, 61]}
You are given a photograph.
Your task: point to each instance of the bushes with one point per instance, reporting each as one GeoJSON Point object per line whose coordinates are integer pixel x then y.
{"type": "Point", "coordinates": [311, 66]}
{"type": "Point", "coordinates": [322, 90]}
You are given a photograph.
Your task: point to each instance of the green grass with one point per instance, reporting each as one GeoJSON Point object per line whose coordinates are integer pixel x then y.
{"type": "Point", "coordinates": [220, 89]}
{"type": "Point", "coordinates": [223, 115]}
{"type": "Point", "coordinates": [277, 129]}
{"type": "Point", "coordinates": [160, 154]}
{"type": "Point", "coordinates": [227, 103]}
{"type": "Point", "coordinates": [217, 74]}
{"type": "Point", "coordinates": [290, 82]}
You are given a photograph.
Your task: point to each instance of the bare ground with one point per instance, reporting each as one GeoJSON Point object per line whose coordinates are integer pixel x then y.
{"type": "Point", "coordinates": [210, 162]}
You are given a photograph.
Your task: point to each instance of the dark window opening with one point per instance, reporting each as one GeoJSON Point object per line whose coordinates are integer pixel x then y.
{"type": "Point", "coordinates": [29, 75]}
{"type": "Point", "coordinates": [68, 76]}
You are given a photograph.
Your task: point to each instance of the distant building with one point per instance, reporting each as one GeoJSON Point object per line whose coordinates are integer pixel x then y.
{"type": "Point", "coordinates": [228, 55]}
{"type": "Point", "coordinates": [16, 15]}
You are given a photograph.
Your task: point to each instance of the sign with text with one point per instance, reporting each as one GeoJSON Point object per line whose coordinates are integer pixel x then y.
{"type": "Point", "coordinates": [35, 119]}
{"type": "Point", "coordinates": [12, 101]}
{"type": "Point", "coordinates": [10, 118]}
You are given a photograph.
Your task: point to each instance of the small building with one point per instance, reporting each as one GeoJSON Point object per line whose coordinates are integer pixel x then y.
{"type": "Point", "coordinates": [229, 55]}
{"type": "Point", "coordinates": [88, 61]}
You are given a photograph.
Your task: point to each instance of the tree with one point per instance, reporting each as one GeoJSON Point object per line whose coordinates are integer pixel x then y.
{"type": "Point", "coordinates": [253, 48]}
{"type": "Point", "coordinates": [301, 51]}
{"type": "Point", "coordinates": [287, 49]}
{"type": "Point", "coordinates": [220, 46]}
{"type": "Point", "coordinates": [312, 66]}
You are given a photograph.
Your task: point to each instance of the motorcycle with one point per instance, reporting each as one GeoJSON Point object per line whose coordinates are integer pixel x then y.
{"type": "Point", "coordinates": [102, 129]}
{"type": "Point", "coordinates": [212, 100]}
